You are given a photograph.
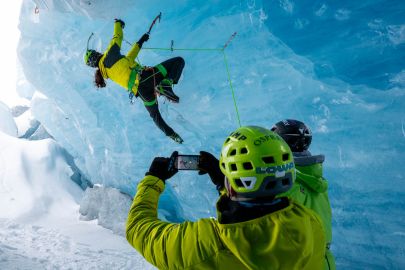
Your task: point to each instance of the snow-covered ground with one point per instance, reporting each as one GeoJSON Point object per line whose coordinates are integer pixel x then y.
{"type": "Point", "coordinates": [43, 225]}
{"type": "Point", "coordinates": [336, 66]}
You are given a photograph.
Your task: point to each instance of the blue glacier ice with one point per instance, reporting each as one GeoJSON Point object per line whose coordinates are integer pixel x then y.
{"type": "Point", "coordinates": [339, 66]}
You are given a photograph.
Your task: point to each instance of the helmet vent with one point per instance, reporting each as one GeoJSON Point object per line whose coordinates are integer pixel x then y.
{"type": "Point", "coordinates": [233, 167]}
{"type": "Point", "coordinates": [227, 140]}
{"type": "Point", "coordinates": [233, 152]}
{"type": "Point", "coordinates": [286, 156]}
{"type": "Point", "coordinates": [239, 183]}
{"type": "Point", "coordinates": [268, 160]}
{"type": "Point", "coordinates": [247, 166]}
{"type": "Point", "coordinates": [223, 165]}
{"type": "Point", "coordinates": [243, 150]}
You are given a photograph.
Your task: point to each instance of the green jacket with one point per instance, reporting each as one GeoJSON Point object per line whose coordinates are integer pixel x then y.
{"type": "Point", "coordinates": [117, 67]}
{"type": "Point", "coordinates": [311, 190]}
{"type": "Point", "coordinates": [290, 238]}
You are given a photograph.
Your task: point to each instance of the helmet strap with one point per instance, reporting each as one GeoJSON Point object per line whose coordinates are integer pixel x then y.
{"type": "Point", "coordinates": [229, 190]}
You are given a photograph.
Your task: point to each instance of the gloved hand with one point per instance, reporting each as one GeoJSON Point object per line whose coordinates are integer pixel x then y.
{"type": "Point", "coordinates": [163, 168]}
{"type": "Point", "coordinates": [210, 164]}
{"type": "Point", "coordinates": [121, 22]}
{"type": "Point", "coordinates": [145, 37]}
{"type": "Point", "coordinates": [176, 137]}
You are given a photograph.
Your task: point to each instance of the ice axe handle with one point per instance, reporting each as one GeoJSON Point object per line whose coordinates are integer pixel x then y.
{"type": "Point", "coordinates": [229, 40]}
{"type": "Point", "coordinates": [88, 40]}
{"type": "Point", "coordinates": [158, 17]}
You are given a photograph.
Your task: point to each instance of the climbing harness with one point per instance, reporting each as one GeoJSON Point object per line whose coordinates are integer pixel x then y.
{"type": "Point", "coordinates": [137, 73]}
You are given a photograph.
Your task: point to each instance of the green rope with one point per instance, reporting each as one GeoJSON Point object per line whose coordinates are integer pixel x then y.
{"type": "Point", "coordinates": [182, 49]}
{"type": "Point", "coordinates": [207, 50]}
{"type": "Point", "coordinates": [230, 84]}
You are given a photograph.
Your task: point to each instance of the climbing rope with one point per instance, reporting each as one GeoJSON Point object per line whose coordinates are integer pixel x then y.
{"type": "Point", "coordinates": [206, 50]}
{"type": "Point", "coordinates": [158, 18]}
{"type": "Point", "coordinates": [230, 85]}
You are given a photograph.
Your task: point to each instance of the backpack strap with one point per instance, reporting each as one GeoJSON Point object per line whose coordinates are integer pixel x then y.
{"type": "Point", "coordinates": [134, 77]}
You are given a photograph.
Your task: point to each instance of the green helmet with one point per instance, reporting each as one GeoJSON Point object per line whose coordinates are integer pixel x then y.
{"type": "Point", "coordinates": [257, 163]}
{"type": "Point", "coordinates": [91, 58]}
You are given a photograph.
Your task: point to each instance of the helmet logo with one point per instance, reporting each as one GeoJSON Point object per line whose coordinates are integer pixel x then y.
{"type": "Point", "coordinates": [248, 182]}
{"type": "Point", "coordinates": [265, 138]}
{"type": "Point", "coordinates": [279, 171]}
{"type": "Point", "coordinates": [238, 136]}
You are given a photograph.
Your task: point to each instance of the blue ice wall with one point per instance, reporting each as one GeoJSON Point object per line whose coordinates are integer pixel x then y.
{"type": "Point", "coordinates": [361, 42]}
{"type": "Point", "coordinates": [336, 65]}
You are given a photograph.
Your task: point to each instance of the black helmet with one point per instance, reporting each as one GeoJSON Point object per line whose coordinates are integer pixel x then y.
{"type": "Point", "coordinates": [91, 58]}
{"type": "Point", "coordinates": [295, 133]}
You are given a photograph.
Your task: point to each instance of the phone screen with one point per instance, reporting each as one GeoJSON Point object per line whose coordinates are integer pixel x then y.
{"type": "Point", "coordinates": [187, 162]}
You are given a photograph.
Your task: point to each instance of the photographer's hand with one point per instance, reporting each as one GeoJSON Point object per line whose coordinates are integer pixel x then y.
{"type": "Point", "coordinates": [210, 164]}
{"type": "Point", "coordinates": [163, 168]}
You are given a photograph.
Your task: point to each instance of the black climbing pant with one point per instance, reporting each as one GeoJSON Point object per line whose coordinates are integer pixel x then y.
{"type": "Point", "coordinates": [151, 77]}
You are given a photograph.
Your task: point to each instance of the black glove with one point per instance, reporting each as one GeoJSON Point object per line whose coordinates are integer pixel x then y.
{"type": "Point", "coordinates": [145, 37]}
{"type": "Point", "coordinates": [121, 22]}
{"type": "Point", "coordinates": [176, 137]}
{"type": "Point", "coordinates": [163, 168]}
{"type": "Point", "coordinates": [210, 164]}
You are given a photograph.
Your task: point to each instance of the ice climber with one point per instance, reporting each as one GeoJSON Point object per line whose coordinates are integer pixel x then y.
{"type": "Point", "coordinates": [253, 229]}
{"type": "Point", "coordinates": [310, 188]}
{"type": "Point", "coordinates": [140, 81]}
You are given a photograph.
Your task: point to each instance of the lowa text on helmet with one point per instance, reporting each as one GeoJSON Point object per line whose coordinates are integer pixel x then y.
{"type": "Point", "coordinates": [274, 169]}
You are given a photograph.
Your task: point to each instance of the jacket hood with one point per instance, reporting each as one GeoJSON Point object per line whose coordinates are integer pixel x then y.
{"type": "Point", "coordinates": [309, 172]}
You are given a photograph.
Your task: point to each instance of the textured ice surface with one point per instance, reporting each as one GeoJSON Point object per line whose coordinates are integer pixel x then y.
{"type": "Point", "coordinates": [336, 66]}
{"type": "Point", "coordinates": [108, 205]}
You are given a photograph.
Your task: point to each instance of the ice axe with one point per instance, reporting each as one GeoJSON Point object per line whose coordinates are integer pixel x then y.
{"type": "Point", "coordinates": [158, 17]}
{"type": "Point", "coordinates": [88, 40]}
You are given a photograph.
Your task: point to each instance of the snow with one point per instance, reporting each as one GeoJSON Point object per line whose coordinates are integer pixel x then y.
{"type": "Point", "coordinates": [38, 247]}
{"type": "Point", "coordinates": [7, 124]}
{"type": "Point", "coordinates": [40, 223]}
{"type": "Point", "coordinates": [336, 66]}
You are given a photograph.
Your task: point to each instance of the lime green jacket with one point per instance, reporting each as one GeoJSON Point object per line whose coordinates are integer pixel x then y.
{"type": "Point", "coordinates": [290, 238]}
{"type": "Point", "coordinates": [117, 67]}
{"type": "Point", "coordinates": [311, 190]}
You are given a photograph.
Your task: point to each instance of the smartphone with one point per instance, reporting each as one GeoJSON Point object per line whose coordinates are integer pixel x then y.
{"type": "Point", "coordinates": [187, 162]}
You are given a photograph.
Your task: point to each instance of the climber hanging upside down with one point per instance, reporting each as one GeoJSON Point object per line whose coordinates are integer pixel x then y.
{"type": "Point", "coordinates": [140, 81]}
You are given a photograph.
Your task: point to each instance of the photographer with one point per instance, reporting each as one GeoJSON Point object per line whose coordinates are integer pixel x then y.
{"type": "Point", "coordinates": [254, 230]}
{"type": "Point", "coordinates": [310, 188]}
